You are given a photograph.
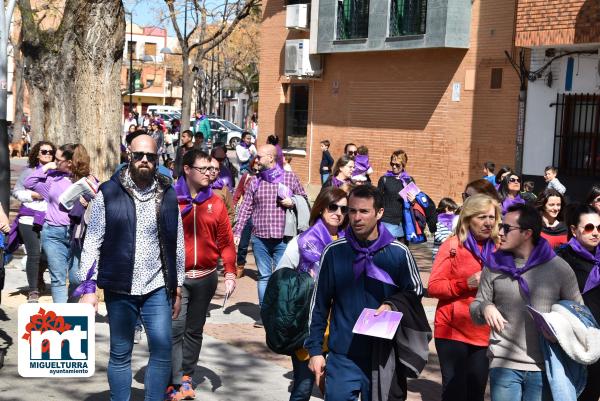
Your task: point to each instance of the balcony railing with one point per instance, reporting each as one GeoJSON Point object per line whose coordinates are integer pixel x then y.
{"type": "Point", "coordinates": [407, 17]}
{"type": "Point", "coordinates": [352, 19]}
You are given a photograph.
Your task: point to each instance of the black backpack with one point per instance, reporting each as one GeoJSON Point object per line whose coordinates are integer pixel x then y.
{"type": "Point", "coordinates": [285, 310]}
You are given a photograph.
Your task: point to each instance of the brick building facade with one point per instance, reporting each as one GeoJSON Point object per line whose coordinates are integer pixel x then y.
{"type": "Point", "coordinates": [437, 102]}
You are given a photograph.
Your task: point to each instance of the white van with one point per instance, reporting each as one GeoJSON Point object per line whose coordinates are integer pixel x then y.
{"type": "Point", "coordinates": [163, 109]}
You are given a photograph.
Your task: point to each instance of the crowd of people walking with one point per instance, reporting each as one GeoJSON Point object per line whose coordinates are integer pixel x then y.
{"type": "Point", "coordinates": [507, 262]}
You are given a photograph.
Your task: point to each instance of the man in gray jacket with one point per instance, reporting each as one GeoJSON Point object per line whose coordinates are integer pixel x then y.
{"type": "Point", "coordinates": [524, 272]}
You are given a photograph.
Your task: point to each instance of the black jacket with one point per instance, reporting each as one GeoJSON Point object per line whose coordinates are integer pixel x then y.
{"type": "Point", "coordinates": [393, 204]}
{"type": "Point", "coordinates": [326, 161]}
{"type": "Point", "coordinates": [582, 269]}
{"type": "Point", "coordinates": [406, 355]}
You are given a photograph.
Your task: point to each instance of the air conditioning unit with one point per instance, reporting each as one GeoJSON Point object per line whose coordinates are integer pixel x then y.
{"type": "Point", "coordinates": [297, 60]}
{"type": "Point", "coordinates": [296, 16]}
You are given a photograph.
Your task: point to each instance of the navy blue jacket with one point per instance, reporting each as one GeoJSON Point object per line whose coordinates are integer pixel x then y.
{"type": "Point", "coordinates": [338, 290]}
{"type": "Point", "coordinates": [117, 253]}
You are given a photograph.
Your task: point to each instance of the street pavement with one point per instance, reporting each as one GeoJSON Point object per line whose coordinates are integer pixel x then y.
{"type": "Point", "coordinates": [234, 363]}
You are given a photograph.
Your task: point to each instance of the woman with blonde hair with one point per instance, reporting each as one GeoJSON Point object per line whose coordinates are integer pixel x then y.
{"type": "Point", "coordinates": [461, 345]}
{"type": "Point", "coordinates": [70, 164]}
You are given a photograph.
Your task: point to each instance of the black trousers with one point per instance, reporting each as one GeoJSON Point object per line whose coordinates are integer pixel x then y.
{"type": "Point", "coordinates": [33, 246]}
{"type": "Point", "coordinates": [464, 370]}
{"type": "Point", "coordinates": [592, 387]}
{"type": "Point", "coordinates": [187, 329]}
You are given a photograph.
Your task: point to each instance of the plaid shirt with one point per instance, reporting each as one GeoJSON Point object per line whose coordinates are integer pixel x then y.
{"type": "Point", "coordinates": [268, 217]}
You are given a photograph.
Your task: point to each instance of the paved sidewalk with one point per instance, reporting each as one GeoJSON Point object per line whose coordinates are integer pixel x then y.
{"type": "Point", "coordinates": [234, 364]}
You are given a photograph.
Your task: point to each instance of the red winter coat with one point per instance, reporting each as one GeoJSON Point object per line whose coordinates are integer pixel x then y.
{"type": "Point", "coordinates": [453, 265]}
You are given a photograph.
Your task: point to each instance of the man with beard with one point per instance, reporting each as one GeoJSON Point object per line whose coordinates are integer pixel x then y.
{"type": "Point", "coordinates": [266, 201]}
{"type": "Point", "coordinates": [134, 250]}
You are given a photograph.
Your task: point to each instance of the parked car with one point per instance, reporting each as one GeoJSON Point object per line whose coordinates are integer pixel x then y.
{"type": "Point", "coordinates": [224, 131]}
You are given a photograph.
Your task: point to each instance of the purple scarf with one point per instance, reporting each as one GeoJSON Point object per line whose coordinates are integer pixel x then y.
{"type": "Point", "coordinates": [504, 262]}
{"type": "Point", "coordinates": [361, 165]}
{"type": "Point", "coordinates": [14, 239]}
{"type": "Point", "coordinates": [508, 202]}
{"type": "Point", "coordinates": [593, 279]}
{"type": "Point", "coordinates": [364, 258]}
{"type": "Point", "coordinates": [183, 195]}
{"type": "Point", "coordinates": [245, 145]}
{"type": "Point", "coordinates": [88, 286]}
{"type": "Point", "coordinates": [486, 251]}
{"type": "Point", "coordinates": [402, 176]}
{"type": "Point", "coordinates": [335, 182]}
{"type": "Point", "coordinates": [218, 184]}
{"type": "Point", "coordinates": [446, 219]}
{"type": "Point", "coordinates": [274, 175]}
{"type": "Point", "coordinates": [311, 244]}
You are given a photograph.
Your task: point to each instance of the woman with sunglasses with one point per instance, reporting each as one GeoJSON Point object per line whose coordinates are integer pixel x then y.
{"type": "Point", "coordinates": [342, 172]}
{"type": "Point", "coordinates": [551, 205]}
{"type": "Point", "coordinates": [390, 185]}
{"type": "Point", "coordinates": [582, 253]}
{"type": "Point", "coordinates": [510, 191]}
{"type": "Point", "coordinates": [328, 218]}
{"type": "Point", "coordinates": [30, 218]}
{"type": "Point", "coordinates": [454, 280]}
{"type": "Point", "coordinates": [50, 181]}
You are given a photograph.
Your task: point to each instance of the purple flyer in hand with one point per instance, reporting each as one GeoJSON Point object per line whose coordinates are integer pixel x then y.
{"type": "Point", "coordinates": [383, 326]}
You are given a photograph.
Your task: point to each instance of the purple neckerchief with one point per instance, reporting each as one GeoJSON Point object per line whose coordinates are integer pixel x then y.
{"type": "Point", "coordinates": [183, 195]}
{"type": "Point", "coordinates": [361, 165]}
{"type": "Point", "coordinates": [273, 175]}
{"type": "Point", "coordinates": [14, 240]}
{"type": "Point", "coordinates": [508, 202]}
{"type": "Point", "coordinates": [446, 219]}
{"type": "Point", "coordinates": [88, 286]}
{"type": "Point", "coordinates": [336, 182]}
{"type": "Point", "coordinates": [593, 279]}
{"type": "Point", "coordinates": [311, 244]}
{"type": "Point", "coordinates": [504, 262]}
{"type": "Point", "coordinates": [245, 145]}
{"type": "Point", "coordinates": [218, 183]}
{"type": "Point", "coordinates": [364, 258]}
{"type": "Point", "coordinates": [486, 250]}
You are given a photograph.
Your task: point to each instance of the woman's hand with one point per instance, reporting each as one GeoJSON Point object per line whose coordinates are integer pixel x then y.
{"type": "Point", "coordinates": [473, 281]}
{"type": "Point", "coordinates": [49, 166]}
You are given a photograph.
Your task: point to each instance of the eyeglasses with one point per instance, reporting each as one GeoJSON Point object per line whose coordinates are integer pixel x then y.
{"type": "Point", "coordinates": [204, 170]}
{"type": "Point", "coordinates": [46, 152]}
{"type": "Point", "coordinates": [352, 152]}
{"type": "Point", "coordinates": [589, 228]}
{"type": "Point", "coordinates": [508, 228]}
{"type": "Point", "coordinates": [396, 165]}
{"type": "Point", "coordinates": [139, 156]}
{"type": "Point", "coordinates": [465, 196]}
{"type": "Point", "coordinates": [333, 207]}
{"type": "Point", "coordinates": [514, 179]}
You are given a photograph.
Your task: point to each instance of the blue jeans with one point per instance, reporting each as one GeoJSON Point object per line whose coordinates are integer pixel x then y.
{"type": "Point", "coordinates": [242, 250]}
{"type": "Point", "coordinates": [346, 378]}
{"type": "Point", "coordinates": [62, 262]}
{"type": "Point", "coordinates": [518, 385]}
{"type": "Point", "coordinates": [395, 229]}
{"type": "Point", "coordinates": [324, 177]}
{"type": "Point", "coordinates": [123, 312]}
{"type": "Point", "coordinates": [267, 253]}
{"type": "Point", "coordinates": [304, 380]}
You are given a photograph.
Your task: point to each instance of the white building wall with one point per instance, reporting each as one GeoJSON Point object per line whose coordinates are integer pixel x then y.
{"type": "Point", "coordinates": [540, 117]}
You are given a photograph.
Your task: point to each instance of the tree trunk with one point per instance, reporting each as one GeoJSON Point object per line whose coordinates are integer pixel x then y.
{"type": "Point", "coordinates": [19, 93]}
{"type": "Point", "coordinates": [73, 75]}
{"type": "Point", "coordinates": [187, 83]}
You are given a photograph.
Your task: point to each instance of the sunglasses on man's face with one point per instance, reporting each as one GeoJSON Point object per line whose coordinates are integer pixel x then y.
{"type": "Point", "coordinates": [589, 228]}
{"type": "Point", "coordinates": [139, 156]}
{"type": "Point", "coordinates": [333, 207]}
{"type": "Point", "coordinates": [46, 152]}
{"type": "Point", "coordinates": [508, 228]}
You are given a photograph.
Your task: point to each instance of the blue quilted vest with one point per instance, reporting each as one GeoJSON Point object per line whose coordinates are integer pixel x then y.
{"type": "Point", "coordinates": [117, 253]}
